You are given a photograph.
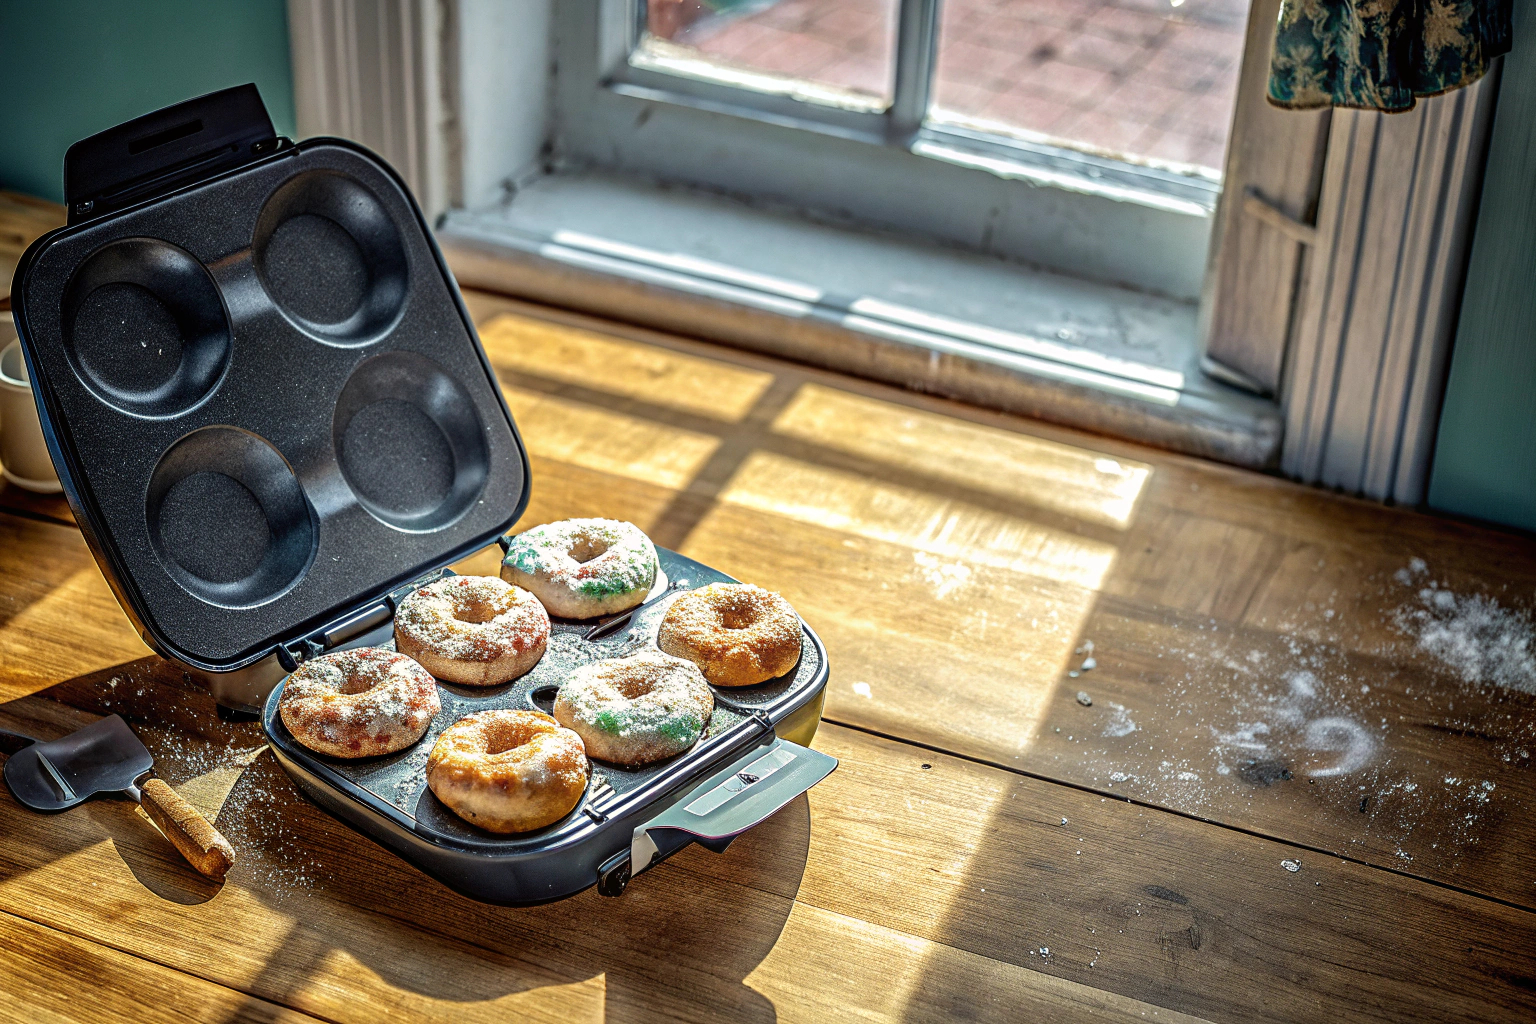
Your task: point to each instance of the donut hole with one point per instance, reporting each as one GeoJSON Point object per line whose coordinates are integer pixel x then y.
{"type": "Point", "coordinates": [585, 549]}
{"type": "Point", "coordinates": [353, 685]}
{"type": "Point", "coordinates": [470, 603]}
{"type": "Point", "coordinates": [738, 618]}
{"type": "Point", "coordinates": [630, 688]}
{"type": "Point", "coordinates": [475, 612]}
{"type": "Point", "coordinates": [504, 739]}
{"type": "Point", "coordinates": [501, 736]}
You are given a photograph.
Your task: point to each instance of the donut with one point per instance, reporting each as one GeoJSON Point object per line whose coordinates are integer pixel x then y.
{"type": "Point", "coordinates": [636, 710]}
{"type": "Point", "coordinates": [738, 634]}
{"type": "Point", "coordinates": [508, 771]}
{"type": "Point", "coordinates": [472, 630]}
{"type": "Point", "coordinates": [359, 703]}
{"type": "Point", "coordinates": [583, 568]}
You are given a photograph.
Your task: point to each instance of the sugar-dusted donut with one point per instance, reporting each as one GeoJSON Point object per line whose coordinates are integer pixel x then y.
{"type": "Point", "coordinates": [359, 703]}
{"type": "Point", "coordinates": [472, 630]}
{"type": "Point", "coordinates": [508, 771]}
{"type": "Point", "coordinates": [638, 709]}
{"type": "Point", "coordinates": [738, 634]}
{"type": "Point", "coordinates": [583, 568]}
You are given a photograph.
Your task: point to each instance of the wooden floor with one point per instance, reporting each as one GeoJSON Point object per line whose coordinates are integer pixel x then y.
{"type": "Point", "coordinates": [1294, 785]}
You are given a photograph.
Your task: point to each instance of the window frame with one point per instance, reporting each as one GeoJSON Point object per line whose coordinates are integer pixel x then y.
{"type": "Point", "coordinates": [1074, 196]}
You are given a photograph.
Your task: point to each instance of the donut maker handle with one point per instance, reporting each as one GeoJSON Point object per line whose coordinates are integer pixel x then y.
{"type": "Point", "coordinates": [749, 791]}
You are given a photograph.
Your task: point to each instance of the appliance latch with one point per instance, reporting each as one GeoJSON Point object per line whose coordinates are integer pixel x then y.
{"type": "Point", "coordinates": [751, 790]}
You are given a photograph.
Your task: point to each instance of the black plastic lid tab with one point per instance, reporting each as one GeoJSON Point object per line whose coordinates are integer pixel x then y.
{"type": "Point", "coordinates": [161, 151]}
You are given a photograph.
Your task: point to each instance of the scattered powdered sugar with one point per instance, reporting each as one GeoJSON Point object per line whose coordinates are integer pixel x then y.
{"type": "Point", "coordinates": [944, 577]}
{"type": "Point", "coordinates": [1341, 710]}
{"type": "Point", "coordinates": [571, 647]}
{"type": "Point", "coordinates": [1120, 722]}
{"type": "Point", "coordinates": [1473, 635]}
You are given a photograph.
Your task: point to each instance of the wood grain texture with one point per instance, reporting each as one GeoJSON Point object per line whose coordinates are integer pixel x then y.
{"type": "Point", "coordinates": [913, 879]}
{"type": "Point", "coordinates": [58, 619]}
{"type": "Point", "coordinates": [22, 219]}
{"type": "Point", "coordinates": [33, 505]}
{"type": "Point", "coordinates": [49, 977]}
{"type": "Point", "coordinates": [316, 918]}
{"type": "Point", "coordinates": [973, 862]}
{"type": "Point", "coordinates": [956, 561]}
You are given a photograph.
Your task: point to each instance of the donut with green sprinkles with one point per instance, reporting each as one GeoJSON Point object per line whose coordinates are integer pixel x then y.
{"type": "Point", "coordinates": [583, 568]}
{"type": "Point", "coordinates": [636, 710]}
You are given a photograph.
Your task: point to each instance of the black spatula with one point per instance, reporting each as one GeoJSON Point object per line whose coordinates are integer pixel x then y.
{"type": "Point", "coordinates": [106, 757]}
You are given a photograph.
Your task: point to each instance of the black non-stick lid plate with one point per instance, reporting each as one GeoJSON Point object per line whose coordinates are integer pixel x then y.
{"type": "Point", "coordinates": [265, 398]}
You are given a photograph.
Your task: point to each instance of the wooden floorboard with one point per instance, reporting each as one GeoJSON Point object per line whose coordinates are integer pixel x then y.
{"type": "Point", "coordinates": [956, 562]}
{"type": "Point", "coordinates": [902, 855]}
{"type": "Point", "coordinates": [316, 918]}
{"type": "Point", "coordinates": [49, 977]}
{"type": "Point", "coordinates": [1257, 643]}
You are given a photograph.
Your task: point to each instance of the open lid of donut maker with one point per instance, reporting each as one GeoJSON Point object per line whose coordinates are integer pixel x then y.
{"type": "Point", "coordinates": [272, 418]}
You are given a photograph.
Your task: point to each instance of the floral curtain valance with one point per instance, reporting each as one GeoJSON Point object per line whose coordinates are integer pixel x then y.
{"type": "Point", "coordinates": [1382, 54]}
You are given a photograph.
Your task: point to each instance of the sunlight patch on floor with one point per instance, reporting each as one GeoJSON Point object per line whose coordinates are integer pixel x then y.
{"type": "Point", "coordinates": [1045, 474]}
{"type": "Point", "coordinates": [920, 520]}
{"type": "Point", "coordinates": [631, 369]}
{"type": "Point", "coordinates": [40, 647]}
{"type": "Point", "coordinates": [639, 449]}
{"type": "Point", "coordinates": [208, 791]}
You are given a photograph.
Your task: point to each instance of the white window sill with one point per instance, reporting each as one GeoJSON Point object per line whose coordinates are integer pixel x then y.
{"type": "Point", "coordinates": [934, 319]}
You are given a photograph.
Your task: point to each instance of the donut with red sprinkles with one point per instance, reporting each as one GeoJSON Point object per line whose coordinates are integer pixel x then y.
{"type": "Point", "coordinates": [359, 703]}
{"type": "Point", "coordinates": [473, 630]}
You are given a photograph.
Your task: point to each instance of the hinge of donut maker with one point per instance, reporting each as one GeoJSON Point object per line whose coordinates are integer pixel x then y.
{"type": "Point", "coordinates": [751, 789]}
{"type": "Point", "coordinates": [350, 627]}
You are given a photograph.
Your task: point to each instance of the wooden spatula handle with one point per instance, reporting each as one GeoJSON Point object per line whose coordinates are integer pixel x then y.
{"type": "Point", "coordinates": [191, 833]}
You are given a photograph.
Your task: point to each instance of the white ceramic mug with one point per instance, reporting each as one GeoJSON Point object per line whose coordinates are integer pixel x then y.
{"type": "Point", "coordinates": [24, 459]}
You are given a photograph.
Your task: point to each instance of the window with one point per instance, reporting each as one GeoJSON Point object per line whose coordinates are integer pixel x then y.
{"type": "Point", "coordinates": [1079, 138]}
{"type": "Point", "coordinates": [1144, 81]}
{"type": "Point", "coordinates": [1119, 108]}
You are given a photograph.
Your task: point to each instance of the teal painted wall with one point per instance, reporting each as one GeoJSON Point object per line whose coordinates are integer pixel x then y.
{"type": "Point", "coordinates": [71, 68]}
{"type": "Point", "coordinates": [1485, 457]}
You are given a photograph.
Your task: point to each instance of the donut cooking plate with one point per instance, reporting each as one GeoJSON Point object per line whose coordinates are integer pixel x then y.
{"type": "Point", "coordinates": [606, 835]}
{"type": "Point", "coordinates": [260, 388]}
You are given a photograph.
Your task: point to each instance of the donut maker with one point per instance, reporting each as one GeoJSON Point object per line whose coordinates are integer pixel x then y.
{"type": "Point", "coordinates": [272, 418]}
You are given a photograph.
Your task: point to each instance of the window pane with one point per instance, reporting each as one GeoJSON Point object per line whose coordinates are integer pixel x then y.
{"type": "Point", "coordinates": [1148, 80]}
{"type": "Point", "coordinates": [839, 51]}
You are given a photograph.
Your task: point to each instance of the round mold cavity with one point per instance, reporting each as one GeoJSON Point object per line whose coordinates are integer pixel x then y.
{"type": "Point", "coordinates": [145, 327]}
{"type": "Point", "coordinates": [228, 518]}
{"type": "Point", "coordinates": [329, 255]}
{"type": "Point", "coordinates": [409, 442]}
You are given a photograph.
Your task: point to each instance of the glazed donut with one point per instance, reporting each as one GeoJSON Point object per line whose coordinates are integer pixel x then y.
{"type": "Point", "coordinates": [636, 710]}
{"type": "Point", "coordinates": [738, 634]}
{"type": "Point", "coordinates": [508, 771]}
{"type": "Point", "coordinates": [472, 630]}
{"type": "Point", "coordinates": [359, 703]}
{"type": "Point", "coordinates": [583, 568]}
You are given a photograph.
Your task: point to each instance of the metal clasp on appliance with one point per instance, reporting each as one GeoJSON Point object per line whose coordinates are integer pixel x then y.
{"type": "Point", "coordinates": [751, 790]}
